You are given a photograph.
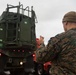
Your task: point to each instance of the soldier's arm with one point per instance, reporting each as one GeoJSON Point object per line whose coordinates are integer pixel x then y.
{"type": "Point", "coordinates": [49, 52]}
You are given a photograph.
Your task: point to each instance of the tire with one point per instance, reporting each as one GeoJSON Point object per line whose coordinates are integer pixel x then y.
{"type": "Point", "coordinates": [40, 69]}
{"type": "Point", "coordinates": [49, 69]}
{"type": "Point", "coordinates": [17, 72]}
{"type": "Point", "coordinates": [2, 63]}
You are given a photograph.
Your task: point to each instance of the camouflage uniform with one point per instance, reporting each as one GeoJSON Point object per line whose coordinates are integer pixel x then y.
{"type": "Point", "coordinates": [61, 51]}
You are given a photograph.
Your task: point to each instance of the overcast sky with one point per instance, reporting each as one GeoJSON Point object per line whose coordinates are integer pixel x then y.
{"type": "Point", "coordinates": [49, 14]}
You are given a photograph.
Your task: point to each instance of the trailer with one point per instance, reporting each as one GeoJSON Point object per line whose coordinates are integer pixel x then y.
{"type": "Point", "coordinates": [17, 39]}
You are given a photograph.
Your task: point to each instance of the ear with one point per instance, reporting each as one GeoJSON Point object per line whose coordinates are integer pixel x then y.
{"type": "Point", "coordinates": [66, 23]}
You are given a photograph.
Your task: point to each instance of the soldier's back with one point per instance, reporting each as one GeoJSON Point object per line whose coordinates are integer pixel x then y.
{"type": "Point", "coordinates": [65, 64]}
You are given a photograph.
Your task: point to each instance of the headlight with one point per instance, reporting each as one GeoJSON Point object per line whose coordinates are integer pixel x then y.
{"type": "Point", "coordinates": [21, 63]}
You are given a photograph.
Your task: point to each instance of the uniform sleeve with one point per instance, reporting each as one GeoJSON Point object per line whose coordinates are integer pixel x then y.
{"type": "Point", "coordinates": [49, 52]}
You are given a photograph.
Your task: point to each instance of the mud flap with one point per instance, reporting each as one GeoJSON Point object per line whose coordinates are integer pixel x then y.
{"type": "Point", "coordinates": [29, 65]}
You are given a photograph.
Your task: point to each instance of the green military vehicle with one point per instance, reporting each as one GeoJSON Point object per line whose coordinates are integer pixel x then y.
{"type": "Point", "coordinates": [17, 39]}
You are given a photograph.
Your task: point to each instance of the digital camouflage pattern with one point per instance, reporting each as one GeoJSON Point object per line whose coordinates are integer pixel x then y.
{"type": "Point", "coordinates": [61, 51]}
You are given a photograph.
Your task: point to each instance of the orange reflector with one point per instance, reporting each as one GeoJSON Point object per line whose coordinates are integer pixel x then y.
{"type": "Point", "coordinates": [18, 50]}
{"type": "Point", "coordinates": [14, 50]}
{"type": "Point", "coordinates": [22, 50]}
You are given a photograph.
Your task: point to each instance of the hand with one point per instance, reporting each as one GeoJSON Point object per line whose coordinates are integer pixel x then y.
{"type": "Point", "coordinates": [41, 40]}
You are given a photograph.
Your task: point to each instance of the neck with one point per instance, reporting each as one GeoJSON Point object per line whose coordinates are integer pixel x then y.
{"type": "Point", "coordinates": [71, 26]}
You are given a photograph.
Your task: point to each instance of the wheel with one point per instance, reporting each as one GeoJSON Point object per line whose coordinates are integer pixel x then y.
{"type": "Point", "coordinates": [2, 73]}
{"type": "Point", "coordinates": [2, 63]}
{"type": "Point", "coordinates": [40, 69]}
{"type": "Point", "coordinates": [17, 72]}
{"type": "Point", "coordinates": [49, 69]}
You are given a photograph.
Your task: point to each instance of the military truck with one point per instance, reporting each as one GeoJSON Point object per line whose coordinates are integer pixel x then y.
{"type": "Point", "coordinates": [17, 39]}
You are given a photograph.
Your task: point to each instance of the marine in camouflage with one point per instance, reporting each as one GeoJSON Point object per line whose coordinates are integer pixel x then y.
{"type": "Point", "coordinates": [61, 51]}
